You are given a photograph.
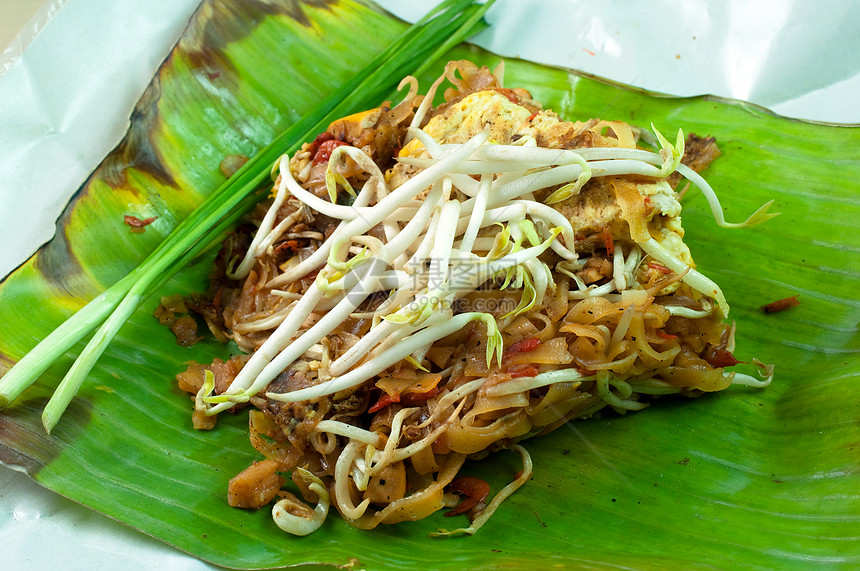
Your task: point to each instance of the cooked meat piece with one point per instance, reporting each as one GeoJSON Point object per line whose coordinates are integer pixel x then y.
{"type": "Point", "coordinates": [255, 486]}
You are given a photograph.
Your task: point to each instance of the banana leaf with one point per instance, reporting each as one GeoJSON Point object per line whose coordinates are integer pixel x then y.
{"type": "Point", "coordinates": [761, 478]}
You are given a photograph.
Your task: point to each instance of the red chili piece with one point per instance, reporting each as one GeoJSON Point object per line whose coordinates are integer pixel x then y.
{"type": "Point", "coordinates": [137, 225]}
{"type": "Point", "coordinates": [410, 399]}
{"type": "Point", "coordinates": [607, 241]}
{"type": "Point", "coordinates": [664, 335]}
{"type": "Point", "coordinates": [659, 267]}
{"type": "Point", "coordinates": [288, 247]}
{"type": "Point", "coordinates": [720, 358]}
{"type": "Point", "coordinates": [523, 371]}
{"type": "Point", "coordinates": [522, 346]}
{"type": "Point", "coordinates": [475, 490]}
{"type": "Point", "coordinates": [781, 304]}
{"type": "Point", "coordinates": [325, 150]}
{"type": "Point", "coordinates": [320, 139]}
{"type": "Point", "coordinates": [385, 400]}
{"type": "Point", "coordinates": [136, 222]}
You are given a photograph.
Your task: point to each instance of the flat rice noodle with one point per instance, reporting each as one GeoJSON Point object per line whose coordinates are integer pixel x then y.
{"type": "Point", "coordinates": [485, 406]}
{"type": "Point", "coordinates": [424, 461]}
{"type": "Point", "coordinates": [586, 353]}
{"type": "Point", "coordinates": [261, 429]}
{"type": "Point", "coordinates": [622, 349]}
{"type": "Point", "coordinates": [383, 419]}
{"type": "Point", "coordinates": [553, 352]}
{"type": "Point", "coordinates": [476, 364]}
{"type": "Point", "coordinates": [421, 383]}
{"type": "Point", "coordinates": [393, 386]}
{"type": "Point", "coordinates": [557, 304]}
{"type": "Point", "coordinates": [560, 399]}
{"type": "Point", "coordinates": [389, 485]}
{"type": "Point", "coordinates": [623, 134]}
{"type": "Point", "coordinates": [697, 333]}
{"type": "Point", "coordinates": [468, 439]}
{"type": "Point", "coordinates": [522, 328]}
{"type": "Point", "coordinates": [593, 310]}
{"type": "Point", "coordinates": [632, 206]}
{"type": "Point", "coordinates": [418, 505]}
{"type": "Point", "coordinates": [546, 329]}
{"type": "Point", "coordinates": [588, 331]}
{"type": "Point", "coordinates": [704, 379]}
{"type": "Point", "coordinates": [618, 366]}
{"type": "Point", "coordinates": [440, 356]}
{"type": "Point", "coordinates": [636, 332]}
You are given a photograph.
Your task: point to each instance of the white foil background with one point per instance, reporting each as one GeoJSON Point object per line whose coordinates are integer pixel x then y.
{"type": "Point", "coordinates": [66, 97]}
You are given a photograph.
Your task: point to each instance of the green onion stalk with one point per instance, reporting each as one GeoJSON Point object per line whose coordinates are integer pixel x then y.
{"type": "Point", "coordinates": [448, 24]}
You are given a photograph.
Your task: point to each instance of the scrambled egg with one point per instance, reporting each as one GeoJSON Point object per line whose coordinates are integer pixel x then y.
{"type": "Point", "coordinates": [468, 117]}
{"type": "Point", "coordinates": [598, 204]}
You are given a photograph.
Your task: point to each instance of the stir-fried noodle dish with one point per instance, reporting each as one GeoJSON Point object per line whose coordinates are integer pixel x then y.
{"type": "Point", "coordinates": [426, 285]}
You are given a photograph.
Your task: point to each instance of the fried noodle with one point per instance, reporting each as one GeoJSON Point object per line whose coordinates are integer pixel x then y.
{"type": "Point", "coordinates": [427, 285]}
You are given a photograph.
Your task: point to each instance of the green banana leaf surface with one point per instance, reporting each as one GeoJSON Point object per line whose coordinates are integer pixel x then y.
{"type": "Point", "coordinates": [767, 478]}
